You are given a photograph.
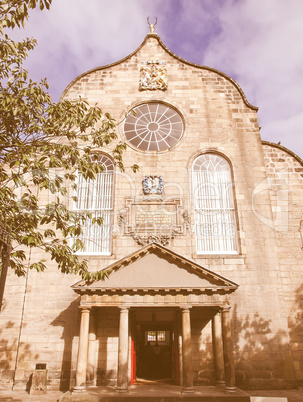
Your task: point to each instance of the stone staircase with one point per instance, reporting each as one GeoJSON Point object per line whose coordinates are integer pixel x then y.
{"type": "Point", "coordinates": [152, 393]}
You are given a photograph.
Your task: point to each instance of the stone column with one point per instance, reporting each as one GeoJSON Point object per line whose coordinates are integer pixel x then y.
{"type": "Point", "coordinates": [91, 375]}
{"type": "Point", "coordinates": [227, 352]}
{"type": "Point", "coordinates": [186, 353]}
{"type": "Point", "coordinates": [82, 350]}
{"type": "Point", "coordinates": [179, 321]}
{"type": "Point", "coordinates": [122, 380]}
{"type": "Point", "coordinates": [218, 349]}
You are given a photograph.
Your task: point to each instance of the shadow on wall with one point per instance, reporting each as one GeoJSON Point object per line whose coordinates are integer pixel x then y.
{"type": "Point", "coordinates": [203, 362]}
{"type": "Point", "coordinates": [69, 320]}
{"type": "Point", "coordinates": [107, 331]}
{"type": "Point", "coordinates": [295, 325]}
{"type": "Point", "coordinates": [263, 360]}
{"type": "Point", "coordinates": [8, 353]}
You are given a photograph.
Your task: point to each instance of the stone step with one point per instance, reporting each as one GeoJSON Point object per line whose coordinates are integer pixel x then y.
{"type": "Point", "coordinates": [267, 399]}
{"type": "Point", "coordinates": [161, 393]}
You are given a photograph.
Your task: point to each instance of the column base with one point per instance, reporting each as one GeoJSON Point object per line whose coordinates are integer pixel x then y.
{"type": "Point", "coordinates": [90, 384]}
{"type": "Point", "coordinates": [122, 390]}
{"type": "Point", "coordinates": [230, 390]}
{"type": "Point", "coordinates": [187, 390]}
{"type": "Point", "coordinates": [220, 384]}
{"type": "Point", "coordinates": [78, 389]}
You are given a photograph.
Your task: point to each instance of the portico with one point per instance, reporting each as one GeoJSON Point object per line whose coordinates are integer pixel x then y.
{"type": "Point", "coordinates": [154, 294]}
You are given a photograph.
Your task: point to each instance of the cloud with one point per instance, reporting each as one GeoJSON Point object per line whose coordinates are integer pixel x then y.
{"type": "Point", "coordinates": [261, 46]}
{"type": "Point", "coordinates": [286, 130]}
{"type": "Point", "coordinates": [258, 43]}
{"type": "Point", "coordinates": [75, 36]}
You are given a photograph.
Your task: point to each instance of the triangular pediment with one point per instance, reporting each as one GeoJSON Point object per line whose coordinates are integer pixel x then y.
{"type": "Point", "coordinates": [156, 267]}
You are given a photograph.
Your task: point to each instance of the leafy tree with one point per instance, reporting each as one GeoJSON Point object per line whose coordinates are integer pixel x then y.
{"type": "Point", "coordinates": [42, 146]}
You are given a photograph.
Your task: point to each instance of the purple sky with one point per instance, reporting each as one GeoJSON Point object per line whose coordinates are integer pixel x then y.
{"type": "Point", "coordinates": [259, 43]}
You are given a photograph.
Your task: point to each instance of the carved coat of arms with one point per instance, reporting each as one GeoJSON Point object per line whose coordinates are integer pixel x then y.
{"type": "Point", "coordinates": [153, 185]}
{"type": "Point", "coordinates": [153, 75]}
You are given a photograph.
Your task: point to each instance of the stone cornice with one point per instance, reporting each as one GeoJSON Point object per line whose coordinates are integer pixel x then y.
{"type": "Point", "coordinates": [220, 290]}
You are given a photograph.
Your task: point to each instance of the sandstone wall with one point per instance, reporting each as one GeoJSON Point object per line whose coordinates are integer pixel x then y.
{"type": "Point", "coordinates": [40, 321]}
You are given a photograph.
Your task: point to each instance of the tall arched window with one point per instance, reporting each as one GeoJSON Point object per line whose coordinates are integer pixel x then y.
{"type": "Point", "coordinates": [96, 196]}
{"type": "Point", "coordinates": [215, 220]}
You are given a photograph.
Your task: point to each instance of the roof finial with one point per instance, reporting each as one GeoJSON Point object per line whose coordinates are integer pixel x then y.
{"type": "Point", "coordinates": [151, 26]}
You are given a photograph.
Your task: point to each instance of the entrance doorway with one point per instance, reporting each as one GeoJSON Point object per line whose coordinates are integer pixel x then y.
{"type": "Point", "coordinates": [154, 360]}
{"type": "Point", "coordinates": [155, 346]}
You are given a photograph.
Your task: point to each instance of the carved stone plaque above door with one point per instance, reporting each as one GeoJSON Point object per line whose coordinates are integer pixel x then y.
{"type": "Point", "coordinates": [156, 220]}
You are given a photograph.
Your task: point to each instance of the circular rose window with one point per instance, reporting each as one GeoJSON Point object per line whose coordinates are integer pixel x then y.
{"type": "Point", "coordinates": [153, 127]}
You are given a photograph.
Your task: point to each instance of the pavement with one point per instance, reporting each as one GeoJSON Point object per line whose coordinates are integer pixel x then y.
{"type": "Point", "coordinates": [293, 395]}
{"type": "Point", "coordinates": [20, 396]}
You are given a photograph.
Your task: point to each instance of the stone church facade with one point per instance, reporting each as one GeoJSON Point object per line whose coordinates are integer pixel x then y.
{"type": "Point", "coordinates": [204, 245]}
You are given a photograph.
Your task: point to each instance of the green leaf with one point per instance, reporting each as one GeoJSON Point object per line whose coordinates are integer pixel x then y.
{"type": "Point", "coordinates": [42, 146]}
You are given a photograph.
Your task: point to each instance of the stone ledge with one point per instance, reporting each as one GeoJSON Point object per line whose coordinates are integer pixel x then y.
{"type": "Point", "coordinates": [156, 393]}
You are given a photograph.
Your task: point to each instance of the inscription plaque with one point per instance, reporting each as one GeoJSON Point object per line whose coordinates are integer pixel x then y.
{"type": "Point", "coordinates": [148, 221]}
{"type": "Point", "coordinates": [153, 217]}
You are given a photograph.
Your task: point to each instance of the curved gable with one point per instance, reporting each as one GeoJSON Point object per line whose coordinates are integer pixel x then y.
{"type": "Point", "coordinates": [267, 145]}
{"type": "Point", "coordinates": [171, 54]}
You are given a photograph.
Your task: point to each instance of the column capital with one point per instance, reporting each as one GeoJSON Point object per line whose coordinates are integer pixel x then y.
{"type": "Point", "coordinates": [185, 307]}
{"type": "Point", "coordinates": [85, 309]}
{"type": "Point", "coordinates": [124, 308]}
